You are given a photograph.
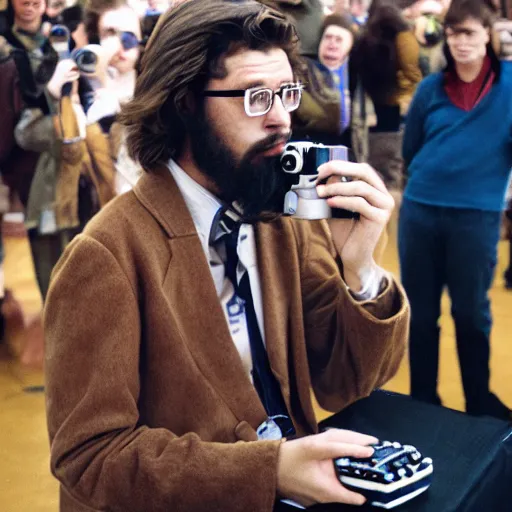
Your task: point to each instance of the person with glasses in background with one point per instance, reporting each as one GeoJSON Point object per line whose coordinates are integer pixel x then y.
{"type": "Point", "coordinates": [458, 150]}
{"type": "Point", "coordinates": [116, 27]}
{"type": "Point", "coordinates": [325, 112]}
{"type": "Point", "coordinates": [199, 317]}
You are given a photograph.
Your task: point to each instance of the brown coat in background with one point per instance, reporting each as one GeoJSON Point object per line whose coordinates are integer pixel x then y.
{"type": "Point", "coordinates": [16, 165]}
{"type": "Point", "coordinates": [149, 406]}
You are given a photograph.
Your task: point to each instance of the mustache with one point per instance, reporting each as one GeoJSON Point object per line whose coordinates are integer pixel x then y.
{"type": "Point", "coordinates": [265, 144]}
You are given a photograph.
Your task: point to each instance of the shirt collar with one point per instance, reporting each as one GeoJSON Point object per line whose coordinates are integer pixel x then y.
{"type": "Point", "coordinates": [202, 204]}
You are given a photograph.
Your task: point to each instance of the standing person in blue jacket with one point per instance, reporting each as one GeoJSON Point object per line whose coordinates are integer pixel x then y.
{"type": "Point", "coordinates": [458, 149]}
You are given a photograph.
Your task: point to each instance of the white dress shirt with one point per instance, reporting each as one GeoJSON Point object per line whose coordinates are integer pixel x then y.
{"type": "Point", "coordinates": [203, 206]}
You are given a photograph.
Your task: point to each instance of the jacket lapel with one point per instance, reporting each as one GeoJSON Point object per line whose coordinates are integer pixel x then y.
{"type": "Point", "coordinates": [193, 301]}
{"type": "Point", "coordinates": [274, 274]}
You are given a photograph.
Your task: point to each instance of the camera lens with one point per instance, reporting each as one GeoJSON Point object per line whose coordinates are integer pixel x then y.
{"type": "Point", "coordinates": [86, 60]}
{"type": "Point", "coordinates": [291, 161]}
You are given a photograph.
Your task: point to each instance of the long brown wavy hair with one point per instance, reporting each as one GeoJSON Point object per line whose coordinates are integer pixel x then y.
{"type": "Point", "coordinates": [188, 48]}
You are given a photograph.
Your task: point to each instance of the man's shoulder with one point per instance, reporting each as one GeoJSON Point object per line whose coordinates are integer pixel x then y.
{"type": "Point", "coordinates": [122, 223]}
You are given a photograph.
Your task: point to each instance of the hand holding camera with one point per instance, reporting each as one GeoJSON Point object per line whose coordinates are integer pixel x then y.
{"type": "Point", "coordinates": [65, 72]}
{"type": "Point", "coordinates": [324, 185]}
{"type": "Point", "coordinates": [366, 195]}
{"type": "Point", "coordinates": [300, 162]}
{"type": "Point", "coordinates": [90, 61]}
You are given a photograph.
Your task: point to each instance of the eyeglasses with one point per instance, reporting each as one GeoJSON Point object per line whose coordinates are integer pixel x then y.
{"type": "Point", "coordinates": [128, 39]}
{"type": "Point", "coordinates": [259, 100]}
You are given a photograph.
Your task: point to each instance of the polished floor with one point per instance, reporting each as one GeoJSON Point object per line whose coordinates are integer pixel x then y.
{"type": "Point", "coordinates": [25, 482]}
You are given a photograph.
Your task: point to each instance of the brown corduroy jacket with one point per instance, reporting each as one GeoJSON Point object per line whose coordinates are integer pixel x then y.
{"type": "Point", "coordinates": [149, 406]}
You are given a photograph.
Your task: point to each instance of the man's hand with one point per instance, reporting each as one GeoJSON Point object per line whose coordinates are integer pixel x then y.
{"type": "Point", "coordinates": [367, 195]}
{"type": "Point", "coordinates": [305, 471]}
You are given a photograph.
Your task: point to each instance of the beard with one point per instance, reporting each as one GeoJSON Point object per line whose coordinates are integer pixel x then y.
{"type": "Point", "coordinates": [254, 183]}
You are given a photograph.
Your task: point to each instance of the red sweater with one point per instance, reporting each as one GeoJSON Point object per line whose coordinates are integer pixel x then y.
{"type": "Point", "coordinates": [467, 95]}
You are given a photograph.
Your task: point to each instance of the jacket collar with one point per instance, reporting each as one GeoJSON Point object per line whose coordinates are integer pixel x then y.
{"type": "Point", "coordinates": [158, 192]}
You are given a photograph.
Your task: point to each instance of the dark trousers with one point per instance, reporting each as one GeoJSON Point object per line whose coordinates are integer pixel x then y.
{"type": "Point", "coordinates": [456, 248]}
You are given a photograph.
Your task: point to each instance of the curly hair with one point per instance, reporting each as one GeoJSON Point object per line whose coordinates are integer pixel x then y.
{"type": "Point", "coordinates": [187, 48]}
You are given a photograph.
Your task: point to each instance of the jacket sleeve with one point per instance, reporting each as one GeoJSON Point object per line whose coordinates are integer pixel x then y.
{"type": "Point", "coordinates": [353, 347]}
{"type": "Point", "coordinates": [408, 55]}
{"type": "Point", "coordinates": [409, 71]}
{"type": "Point", "coordinates": [101, 453]}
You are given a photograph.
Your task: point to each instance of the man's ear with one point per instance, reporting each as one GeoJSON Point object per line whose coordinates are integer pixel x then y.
{"type": "Point", "coordinates": [187, 106]}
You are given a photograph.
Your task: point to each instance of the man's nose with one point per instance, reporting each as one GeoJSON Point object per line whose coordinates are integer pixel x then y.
{"type": "Point", "coordinates": [278, 116]}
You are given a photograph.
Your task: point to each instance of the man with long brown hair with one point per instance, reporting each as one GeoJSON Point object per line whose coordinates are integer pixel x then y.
{"type": "Point", "coordinates": [189, 354]}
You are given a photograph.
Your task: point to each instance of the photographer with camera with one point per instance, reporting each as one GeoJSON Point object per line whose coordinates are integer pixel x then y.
{"type": "Point", "coordinates": [63, 189]}
{"type": "Point", "coordinates": [116, 28]}
{"type": "Point", "coordinates": [187, 325]}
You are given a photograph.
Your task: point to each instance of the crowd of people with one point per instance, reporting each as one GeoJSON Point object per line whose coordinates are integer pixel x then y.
{"type": "Point", "coordinates": [104, 101]}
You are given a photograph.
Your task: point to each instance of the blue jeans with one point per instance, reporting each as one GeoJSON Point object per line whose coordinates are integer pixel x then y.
{"type": "Point", "coordinates": [456, 248]}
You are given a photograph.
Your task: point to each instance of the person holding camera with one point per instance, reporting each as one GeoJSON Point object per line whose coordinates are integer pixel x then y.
{"type": "Point", "coordinates": [458, 151]}
{"type": "Point", "coordinates": [115, 29]}
{"type": "Point", "coordinates": [200, 318]}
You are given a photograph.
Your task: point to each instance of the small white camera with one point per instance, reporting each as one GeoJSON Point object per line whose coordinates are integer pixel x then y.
{"type": "Point", "coordinates": [300, 161]}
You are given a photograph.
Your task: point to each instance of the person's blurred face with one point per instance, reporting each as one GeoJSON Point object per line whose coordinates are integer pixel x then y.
{"type": "Point", "coordinates": [335, 45]}
{"type": "Point", "coordinates": [357, 8]}
{"type": "Point", "coordinates": [467, 41]}
{"type": "Point", "coordinates": [28, 11]}
{"type": "Point", "coordinates": [111, 25]}
{"type": "Point", "coordinates": [55, 7]}
{"type": "Point", "coordinates": [424, 7]}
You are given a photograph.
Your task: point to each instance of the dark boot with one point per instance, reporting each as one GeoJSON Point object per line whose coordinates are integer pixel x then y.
{"type": "Point", "coordinates": [493, 406]}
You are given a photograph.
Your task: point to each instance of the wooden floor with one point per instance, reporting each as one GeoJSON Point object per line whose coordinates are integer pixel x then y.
{"type": "Point", "coordinates": [25, 482]}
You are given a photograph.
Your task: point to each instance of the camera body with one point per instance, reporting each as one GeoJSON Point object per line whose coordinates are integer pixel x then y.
{"type": "Point", "coordinates": [87, 58]}
{"type": "Point", "coordinates": [300, 162]}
